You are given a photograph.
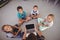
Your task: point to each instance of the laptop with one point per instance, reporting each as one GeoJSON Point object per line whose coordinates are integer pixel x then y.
{"type": "Point", "coordinates": [30, 29]}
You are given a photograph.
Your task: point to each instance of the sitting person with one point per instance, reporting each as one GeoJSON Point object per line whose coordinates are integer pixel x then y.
{"type": "Point", "coordinates": [34, 12]}
{"type": "Point", "coordinates": [12, 31]}
{"type": "Point", "coordinates": [32, 36]}
{"type": "Point", "coordinates": [22, 15]}
{"type": "Point", "coordinates": [45, 23]}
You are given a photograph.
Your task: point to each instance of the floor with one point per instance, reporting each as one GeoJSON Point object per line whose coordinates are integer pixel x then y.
{"type": "Point", "coordinates": [8, 15]}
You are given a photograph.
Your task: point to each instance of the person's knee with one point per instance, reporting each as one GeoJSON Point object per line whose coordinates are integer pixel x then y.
{"type": "Point", "coordinates": [28, 18]}
{"type": "Point", "coordinates": [20, 22]}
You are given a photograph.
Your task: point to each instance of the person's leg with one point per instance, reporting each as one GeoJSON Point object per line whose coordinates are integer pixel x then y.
{"type": "Point", "coordinates": [21, 22]}
{"type": "Point", "coordinates": [28, 18]}
{"type": "Point", "coordinates": [24, 35]}
{"type": "Point", "coordinates": [33, 16]}
{"type": "Point", "coordinates": [20, 34]}
{"type": "Point", "coordinates": [37, 16]}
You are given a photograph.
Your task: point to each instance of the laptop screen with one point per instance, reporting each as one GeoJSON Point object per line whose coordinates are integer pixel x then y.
{"type": "Point", "coordinates": [30, 26]}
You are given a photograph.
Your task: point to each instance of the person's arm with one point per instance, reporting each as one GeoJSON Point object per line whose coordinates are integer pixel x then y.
{"type": "Point", "coordinates": [46, 25]}
{"type": "Point", "coordinates": [24, 13]}
{"type": "Point", "coordinates": [40, 20]}
{"type": "Point", "coordinates": [17, 33]}
{"type": "Point", "coordinates": [40, 24]}
{"type": "Point", "coordinates": [31, 12]}
{"type": "Point", "coordinates": [50, 24]}
{"type": "Point", "coordinates": [24, 36]}
{"type": "Point", "coordinates": [38, 14]}
{"type": "Point", "coordinates": [16, 27]}
{"type": "Point", "coordinates": [38, 32]}
{"type": "Point", "coordinates": [19, 16]}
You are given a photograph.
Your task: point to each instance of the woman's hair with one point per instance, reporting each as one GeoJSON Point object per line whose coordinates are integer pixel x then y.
{"type": "Point", "coordinates": [31, 37]}
{"type": "Point", "coordinates": [19, 7]}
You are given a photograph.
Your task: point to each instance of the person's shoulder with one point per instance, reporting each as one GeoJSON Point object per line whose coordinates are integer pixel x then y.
{"type": "Point", "coordinates": [18, 13]}
{"type": "Point", "coordinates": [24, 12]}
{"type": "Point", "coordinates": [31, 10]}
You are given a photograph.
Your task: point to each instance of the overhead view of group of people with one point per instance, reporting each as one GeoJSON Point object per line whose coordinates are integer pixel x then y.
{"type": "Point", "coordinates": [31, 32]}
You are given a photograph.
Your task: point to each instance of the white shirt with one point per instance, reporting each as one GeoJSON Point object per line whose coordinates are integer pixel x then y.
{"type": "Point", "coordinates": [50, 24]}
{"type": "Point", "coordinates": [34, 12]}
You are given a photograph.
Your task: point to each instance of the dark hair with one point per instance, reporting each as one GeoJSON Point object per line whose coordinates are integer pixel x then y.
{"type": "Point", "coordinates": [51, 15]}
{"type": "Point", "coordinates": [31, 37]}
{"type": "Point", "coordinates": [35, 6]}
{"type": "Point", "coordinates": [19, 7]}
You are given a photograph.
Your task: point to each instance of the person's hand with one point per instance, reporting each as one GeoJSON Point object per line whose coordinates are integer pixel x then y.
{"type": "Point", "coordinates": [25, 20]}
{"type": "Point", "coordinates": [36, 28]}
{"type": "Point", "coordinates": [46, 25]}
{"type": "Point", "coordinates": [44, 20]}
{"type": "Point", "coordinates": [25, 30]}
{"type": "Point", "coordinates": [40, 24]}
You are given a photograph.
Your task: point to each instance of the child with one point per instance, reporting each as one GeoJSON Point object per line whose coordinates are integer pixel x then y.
{"type": "Point", "coordinates": [46, 23]}
{"type": "Point", "coordinates": [49, 20]}
{"type": "Point", "coordinates": [12, 31]}
{"type": "Point", "coordinates": [22, 15]}
{"type": "Point", "coordinates": [34, 12]}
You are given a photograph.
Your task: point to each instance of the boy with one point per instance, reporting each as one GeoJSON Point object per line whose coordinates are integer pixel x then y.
{"type": "Point", "coordinates": [46, 23]}
{"type": "Point", "coordinates": [34, 12]}
{"type": "Point", "coordinates": [22, 15]}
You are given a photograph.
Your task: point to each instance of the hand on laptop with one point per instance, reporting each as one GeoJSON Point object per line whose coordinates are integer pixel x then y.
{"type": "Point", "coordinates": [37, 31]}
{"type": "Point", "coordinates": [35, 28]}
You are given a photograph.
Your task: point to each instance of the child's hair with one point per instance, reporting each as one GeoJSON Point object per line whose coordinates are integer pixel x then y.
{"type": "Point", "coordinates": [35, 6]}
{"type": "Point", "coordinates": [31, 37]}
{"type": "Point", "coordinates": [19, 7]}
{"type": "Point", "coordinates": [5, 26]}
{"type": "Point", "coordinates": [51, 15]}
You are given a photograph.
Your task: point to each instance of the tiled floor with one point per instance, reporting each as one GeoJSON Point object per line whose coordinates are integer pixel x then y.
{"type": "Point", "coordinates": [8, 15]}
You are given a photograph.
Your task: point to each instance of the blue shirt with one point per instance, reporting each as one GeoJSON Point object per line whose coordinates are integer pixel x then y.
{"type": "Point", "coordinates": [21, 15]}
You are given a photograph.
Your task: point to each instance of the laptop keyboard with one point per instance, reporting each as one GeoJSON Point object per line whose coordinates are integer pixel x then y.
{"type": "Point", "coordinates": [30, 31]}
